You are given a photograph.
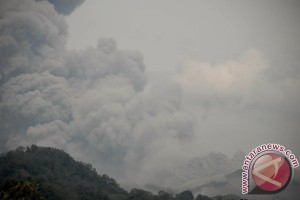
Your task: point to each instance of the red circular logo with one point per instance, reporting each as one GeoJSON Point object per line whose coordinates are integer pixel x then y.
{"type": "Point", "coordinates": [271, 172]}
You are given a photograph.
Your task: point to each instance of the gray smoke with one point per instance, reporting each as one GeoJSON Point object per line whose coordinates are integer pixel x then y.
{"type": "Point", "coordinates": [96, 103]}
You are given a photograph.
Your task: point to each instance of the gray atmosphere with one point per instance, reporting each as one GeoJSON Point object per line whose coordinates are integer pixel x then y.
{"type": "Point", "coordinates": [140, 88]}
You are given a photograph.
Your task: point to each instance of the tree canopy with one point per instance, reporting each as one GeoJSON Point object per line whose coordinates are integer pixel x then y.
{"type": "Point", "coordinates": [44, 173]}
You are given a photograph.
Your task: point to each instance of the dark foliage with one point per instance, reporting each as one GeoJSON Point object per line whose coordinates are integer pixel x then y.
{"type": "Point", "coordinates": [185, 195]}
{"type": "Point", "coordinates": [44, 173]}
{"type": "Point", "coordinates": [164, 196]}
{"type": "Point", "coordinates": [202, 197]}
{"type": "Point", "coordinates": [59, 175]}
{"type": "Point", "coordinates": [137, 194]}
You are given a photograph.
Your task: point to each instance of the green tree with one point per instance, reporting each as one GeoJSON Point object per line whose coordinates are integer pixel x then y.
{"type": "Point", "coordinates": [22, 191]}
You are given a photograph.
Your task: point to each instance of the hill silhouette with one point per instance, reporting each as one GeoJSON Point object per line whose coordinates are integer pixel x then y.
{"type": "Point", "coordinates": [45, 173]}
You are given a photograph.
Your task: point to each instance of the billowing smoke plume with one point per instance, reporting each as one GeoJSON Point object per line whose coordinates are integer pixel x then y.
{"type": "Point", "coordinates": [96, 103]}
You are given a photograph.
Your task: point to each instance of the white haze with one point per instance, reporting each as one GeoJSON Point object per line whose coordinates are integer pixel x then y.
{"type": "Point", "coordinates": [259, 104]}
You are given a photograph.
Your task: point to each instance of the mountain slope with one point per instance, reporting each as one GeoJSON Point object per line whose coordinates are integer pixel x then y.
{"type": "Point", "coordinates": [59, 175]}
{"type": "Point", "coordinates": [44, 173]}
{"type": "Point", "coordinates": [207, 166]}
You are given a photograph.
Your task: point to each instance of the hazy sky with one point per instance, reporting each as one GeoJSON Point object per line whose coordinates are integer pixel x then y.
{"type": "Point", "coordinates": [168, 32]}
{"type": "Point", "coordinates": [139, 88]}
{"type": "Point", "coordinates": [182, 38]}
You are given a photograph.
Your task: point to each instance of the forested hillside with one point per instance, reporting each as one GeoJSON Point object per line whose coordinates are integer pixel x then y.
{"type": "Point", "coordinates": [39, 173]}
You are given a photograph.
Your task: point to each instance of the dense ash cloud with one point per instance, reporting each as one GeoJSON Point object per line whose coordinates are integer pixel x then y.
{"type": "Point", "coordinates": [95, 103]}
{"type": "Point", "coordinates": [99, 106]}
{"type": "Point", "coordinates": [237, 96]}
{"type": "Point", "coordinates": [32, 38]}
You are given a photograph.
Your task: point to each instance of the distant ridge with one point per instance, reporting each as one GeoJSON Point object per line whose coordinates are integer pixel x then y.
{"type": "Point", "coordinates": [45, 173]}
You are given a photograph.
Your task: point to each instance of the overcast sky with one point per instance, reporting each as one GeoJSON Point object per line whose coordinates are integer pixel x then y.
{"type": "Point", "coordinates": [259, 105]}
